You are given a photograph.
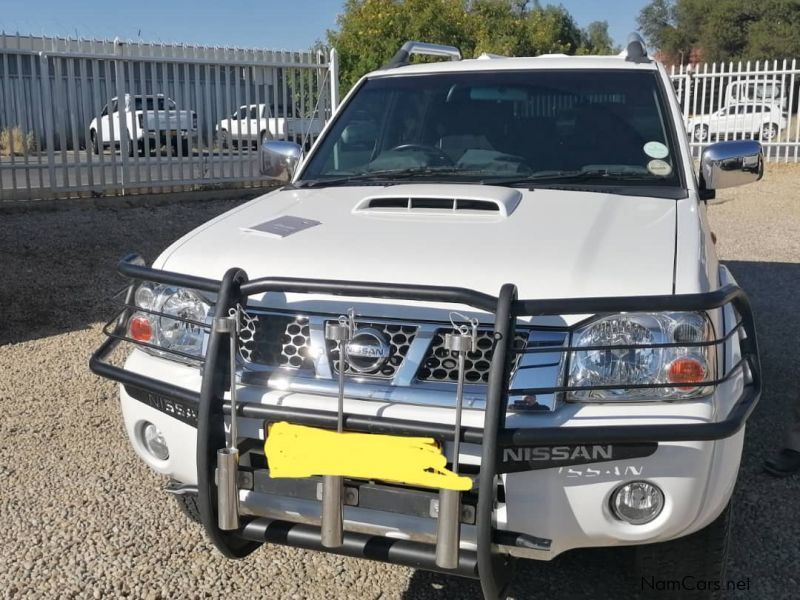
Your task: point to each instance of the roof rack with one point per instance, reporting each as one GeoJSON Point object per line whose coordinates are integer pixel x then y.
{"type": "Point", "coordinates": [401, 57]}
{"type": "Point", "coordinates": [636, 50]}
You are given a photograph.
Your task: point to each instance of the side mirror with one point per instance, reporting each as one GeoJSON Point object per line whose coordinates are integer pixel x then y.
{"type": "Point", "coordinates": [728, 164]}
{"type": "Point", "coordinates": [279, 160]}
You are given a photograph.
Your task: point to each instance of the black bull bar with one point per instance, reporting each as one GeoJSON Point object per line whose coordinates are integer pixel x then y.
{"type": "Point", "coordinates": [492, 568]}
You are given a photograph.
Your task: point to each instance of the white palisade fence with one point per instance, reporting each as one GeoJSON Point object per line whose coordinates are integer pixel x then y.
{"type": "Point", "coordinates": [63, 134]}
{"type": "Point", "coordinates": [736, 100]}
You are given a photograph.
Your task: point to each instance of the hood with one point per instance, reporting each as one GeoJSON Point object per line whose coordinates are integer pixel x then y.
{"type": "Point", "coordinates": [550, 243]}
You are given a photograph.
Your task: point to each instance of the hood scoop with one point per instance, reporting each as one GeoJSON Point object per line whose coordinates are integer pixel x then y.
{"type": "Point", "coordinates": [439, 200]}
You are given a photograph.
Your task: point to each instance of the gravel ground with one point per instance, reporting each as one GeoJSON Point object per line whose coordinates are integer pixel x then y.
{"type": "Point", "coordinates": [83, 517]}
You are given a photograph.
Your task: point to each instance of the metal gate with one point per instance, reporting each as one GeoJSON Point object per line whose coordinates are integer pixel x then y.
{"type": "Point", "coordinates": [753, 99]}
{"type": "Point", "coordinates": [82, 118]}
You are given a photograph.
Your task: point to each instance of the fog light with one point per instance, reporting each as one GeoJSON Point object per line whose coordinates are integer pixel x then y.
{"type": "Point", "coordinates": [154, 441]}
{"type": "Point", "coordinates": [637, 502]}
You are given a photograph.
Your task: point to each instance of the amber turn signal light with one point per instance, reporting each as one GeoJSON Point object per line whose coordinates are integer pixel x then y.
{"type": "Point", "coordinates": [686, 371]}
{"type": "Point", "coordinates": [140, 328]}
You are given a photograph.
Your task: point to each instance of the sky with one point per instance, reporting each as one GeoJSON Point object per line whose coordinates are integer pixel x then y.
{"type": "Point", "coordinates": [280, 24]}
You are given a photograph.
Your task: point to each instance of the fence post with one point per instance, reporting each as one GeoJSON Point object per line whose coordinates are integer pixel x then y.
{"type": "Point", "coordinates": [333, 65]}
{"type": "Point", "coordinates": [47, 104]}
{"type": "Point", "coordinates": [796, 114]}
{"type": "Point", "coordinates": [122, 112]}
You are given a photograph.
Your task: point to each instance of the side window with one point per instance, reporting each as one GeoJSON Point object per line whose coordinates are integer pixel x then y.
{"type": "Point", "coordinates": [105, 111]}
{"type": "Point", "coordinates": [114, 106]}
{"type": "Point", "coordinates": [241, 113]}
{"type": "Point", "coordinates": [254, 112]}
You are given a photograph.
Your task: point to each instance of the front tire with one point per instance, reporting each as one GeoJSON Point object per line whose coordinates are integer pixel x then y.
{"type": "Point", "coordinates": [769, 131]}
{"type": "Point", "coordinates": [691, 561]}
{"type": "Point", "coordinates": [133, 145]}
{"type": "Point", "coordinates": [93, 137]}
{"type": "Point", "coordinates": [701, 133]}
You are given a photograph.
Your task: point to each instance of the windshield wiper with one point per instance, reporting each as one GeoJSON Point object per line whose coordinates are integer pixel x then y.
{"type": "Point", "coordinates": [573, 176]}
{"type": "Point", "coordinates": [383, 175]}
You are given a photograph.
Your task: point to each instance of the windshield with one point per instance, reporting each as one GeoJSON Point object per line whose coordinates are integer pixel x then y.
{"type": "Point", "coordinates": [599, 127]}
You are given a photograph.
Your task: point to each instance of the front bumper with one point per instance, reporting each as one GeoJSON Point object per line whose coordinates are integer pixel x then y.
{"type": "Point", "coordinates": [529, 512]}
{"type": "Point", "coordinates": [556, 509]}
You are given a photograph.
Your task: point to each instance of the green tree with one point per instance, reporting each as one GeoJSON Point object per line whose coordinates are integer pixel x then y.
{"type": "Point", "coordinates": [595, 39]}
{"type": "Point", "coordinates": [551, 29]}
{"type": "Point", "coordinates": [658, 21]}
{"type": "Point", "coordinates": [722, 30]}
{"type": "Point", "coordinates": [775, 36]}
{"type": "Point", "coordinates": [370, 31]}
{"type": "Point", "coordinates": [497, 27]}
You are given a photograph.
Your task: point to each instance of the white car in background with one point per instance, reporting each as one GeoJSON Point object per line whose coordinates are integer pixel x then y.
{"type": "Point", "coordinates": [152, 120]}
{"type": "Point", "coordinates": [253, 123]}
{"type": "Point", "coordinates": [765, 121]}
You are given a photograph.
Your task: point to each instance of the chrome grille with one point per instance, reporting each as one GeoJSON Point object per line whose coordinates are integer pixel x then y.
{"type": "Point", "coordinates": [399, 337]}
{"type": "Point", "coordinates": [418, 370]}
{"type": "Point", "coordinates": [276, 341]}
{"type": "Point", "coordinates": [441, 365]}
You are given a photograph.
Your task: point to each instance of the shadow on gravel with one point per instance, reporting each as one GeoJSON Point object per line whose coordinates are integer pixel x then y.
{"type": "Point", "coordinates": [766, 526]}
{"type": "Point", "coordinates": [57, 268]}
{"type": "Point", "coordinates": [593, 573]}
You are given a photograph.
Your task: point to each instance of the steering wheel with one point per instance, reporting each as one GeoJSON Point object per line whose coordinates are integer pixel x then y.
{"type": "Point", "coordinates": [431, 151]}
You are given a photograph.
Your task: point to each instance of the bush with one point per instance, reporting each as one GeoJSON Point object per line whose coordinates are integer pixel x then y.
{"type": "Point", "coordinates": [21, 142]}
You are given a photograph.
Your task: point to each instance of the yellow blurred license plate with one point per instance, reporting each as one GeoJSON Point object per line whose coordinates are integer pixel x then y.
{"type": "Point", "coordinates": [300, 451]}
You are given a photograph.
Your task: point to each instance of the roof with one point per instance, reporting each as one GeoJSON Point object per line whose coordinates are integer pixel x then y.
{"type": "Point", "coordinates": [543, 62]}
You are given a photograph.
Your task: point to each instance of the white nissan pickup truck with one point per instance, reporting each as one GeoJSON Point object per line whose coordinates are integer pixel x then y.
{"type": "Point", "coordinates": [482, 320]}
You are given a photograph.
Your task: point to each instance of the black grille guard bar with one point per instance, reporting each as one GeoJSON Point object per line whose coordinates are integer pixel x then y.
{"type": "Point", "coordinates": [493, 568]}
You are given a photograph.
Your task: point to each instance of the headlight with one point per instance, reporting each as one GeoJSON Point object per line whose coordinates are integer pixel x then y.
{"type": "Point", "coordinates": [684, 366]}
{"type": "Point", "coordinates": [181, 334]}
